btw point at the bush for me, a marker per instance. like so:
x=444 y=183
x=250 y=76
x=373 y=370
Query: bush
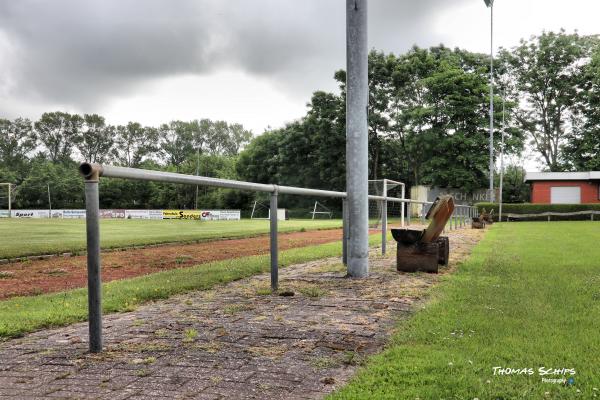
x=528 y=208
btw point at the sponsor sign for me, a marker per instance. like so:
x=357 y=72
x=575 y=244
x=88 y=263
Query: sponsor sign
x=230 y=215
x=182 y=214
x=57 y=214
x=213 y=215
x=73 y=214
x=4 y=214
x=136 y=214
x=112 y=213
x=155 y=214
x=30 y=213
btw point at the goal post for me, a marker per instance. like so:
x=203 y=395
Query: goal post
x=321 y=209
x=382 y=211
x=394 y=211
x=6 y=199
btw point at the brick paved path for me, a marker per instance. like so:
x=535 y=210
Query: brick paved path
x=237 y=341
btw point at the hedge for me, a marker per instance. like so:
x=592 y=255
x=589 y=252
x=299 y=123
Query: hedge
x=528 y=208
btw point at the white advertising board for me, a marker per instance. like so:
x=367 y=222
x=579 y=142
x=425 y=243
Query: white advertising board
x=73 y=214
x=30 y=213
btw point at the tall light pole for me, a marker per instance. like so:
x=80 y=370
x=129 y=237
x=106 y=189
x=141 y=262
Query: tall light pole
x=490 y=4
x=357 y=98
x=501 y=157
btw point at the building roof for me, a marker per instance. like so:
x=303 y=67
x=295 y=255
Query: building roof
x=562 y=176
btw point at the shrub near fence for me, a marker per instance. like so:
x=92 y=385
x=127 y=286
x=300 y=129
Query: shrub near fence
x=543 y=209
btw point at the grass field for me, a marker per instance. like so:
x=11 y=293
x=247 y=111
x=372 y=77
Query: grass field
x=42 y=236
x=527 y=298
x=20 y=315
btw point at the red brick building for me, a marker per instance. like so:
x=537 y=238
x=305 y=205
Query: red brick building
x=564 y=187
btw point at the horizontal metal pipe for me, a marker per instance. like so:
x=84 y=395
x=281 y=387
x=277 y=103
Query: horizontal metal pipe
x=89 y=169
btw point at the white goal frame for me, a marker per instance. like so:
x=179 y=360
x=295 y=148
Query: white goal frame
x=9 y=196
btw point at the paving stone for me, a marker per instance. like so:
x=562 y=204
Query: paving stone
x=248 y=345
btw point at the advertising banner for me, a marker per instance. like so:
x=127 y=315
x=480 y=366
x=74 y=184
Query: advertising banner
x=4 y=214
x=58 y=214
x=74 y=214
x=112 y=213
x=181 y=214
x=136 y=214
x=155 y=214
x=230 y=215
x=213 y=215
x=30 y=213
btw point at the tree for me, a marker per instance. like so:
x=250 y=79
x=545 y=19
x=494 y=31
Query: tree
x=95 y=139
x=134 y=143
x=547 y=73
x=17 y=140
x=514 y=188
x=582 y=151
x=176 y=142
x=57 y=132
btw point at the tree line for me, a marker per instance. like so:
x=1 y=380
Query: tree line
x=42 y=156
x=429 y=115
x=428 y=124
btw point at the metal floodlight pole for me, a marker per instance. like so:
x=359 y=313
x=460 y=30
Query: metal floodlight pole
x=357 y=97
x=490 y=4
x=501 y=159
x=92 y=223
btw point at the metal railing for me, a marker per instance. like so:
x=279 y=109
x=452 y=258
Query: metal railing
x=92 y=174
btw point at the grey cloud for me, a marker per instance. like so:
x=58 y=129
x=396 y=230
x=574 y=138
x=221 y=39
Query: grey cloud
x=81 y=53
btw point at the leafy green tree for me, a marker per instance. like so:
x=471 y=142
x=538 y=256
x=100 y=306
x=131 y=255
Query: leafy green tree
x=95 y=139
x=58 y=132
x=17 y=141
x=176 y=142
x=547 y=75
x=66 y=186
x=134 y=144
x=514 y=188
x=582 y=151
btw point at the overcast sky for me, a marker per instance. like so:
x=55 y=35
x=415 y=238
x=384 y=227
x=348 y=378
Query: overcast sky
x=255 y=62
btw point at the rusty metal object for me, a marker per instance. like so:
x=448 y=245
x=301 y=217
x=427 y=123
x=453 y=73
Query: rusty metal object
x=440 y=211
x=481 y=221
x=425 y=250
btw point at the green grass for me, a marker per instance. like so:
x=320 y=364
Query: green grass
x=39 y=236
x=20 y=315
x=528 y=297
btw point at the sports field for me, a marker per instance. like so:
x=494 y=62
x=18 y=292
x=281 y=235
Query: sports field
x=39 y=236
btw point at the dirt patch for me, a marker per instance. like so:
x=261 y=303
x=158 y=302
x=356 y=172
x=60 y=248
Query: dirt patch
x=33 y=277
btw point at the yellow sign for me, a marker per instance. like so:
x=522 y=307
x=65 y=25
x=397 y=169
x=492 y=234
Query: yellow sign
x=181 y=214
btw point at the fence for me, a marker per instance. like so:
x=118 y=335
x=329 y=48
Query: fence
x=93 y=172
x=550 y=214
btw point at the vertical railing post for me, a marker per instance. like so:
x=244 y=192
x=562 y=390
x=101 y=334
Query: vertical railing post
x=384 y=219
x=345 y=230
x=408 y=211
x=92 y=223
x=403 y=193
x=9 y=200
x=274 y=250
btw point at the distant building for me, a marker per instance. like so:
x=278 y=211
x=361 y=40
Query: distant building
x=564 y=187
